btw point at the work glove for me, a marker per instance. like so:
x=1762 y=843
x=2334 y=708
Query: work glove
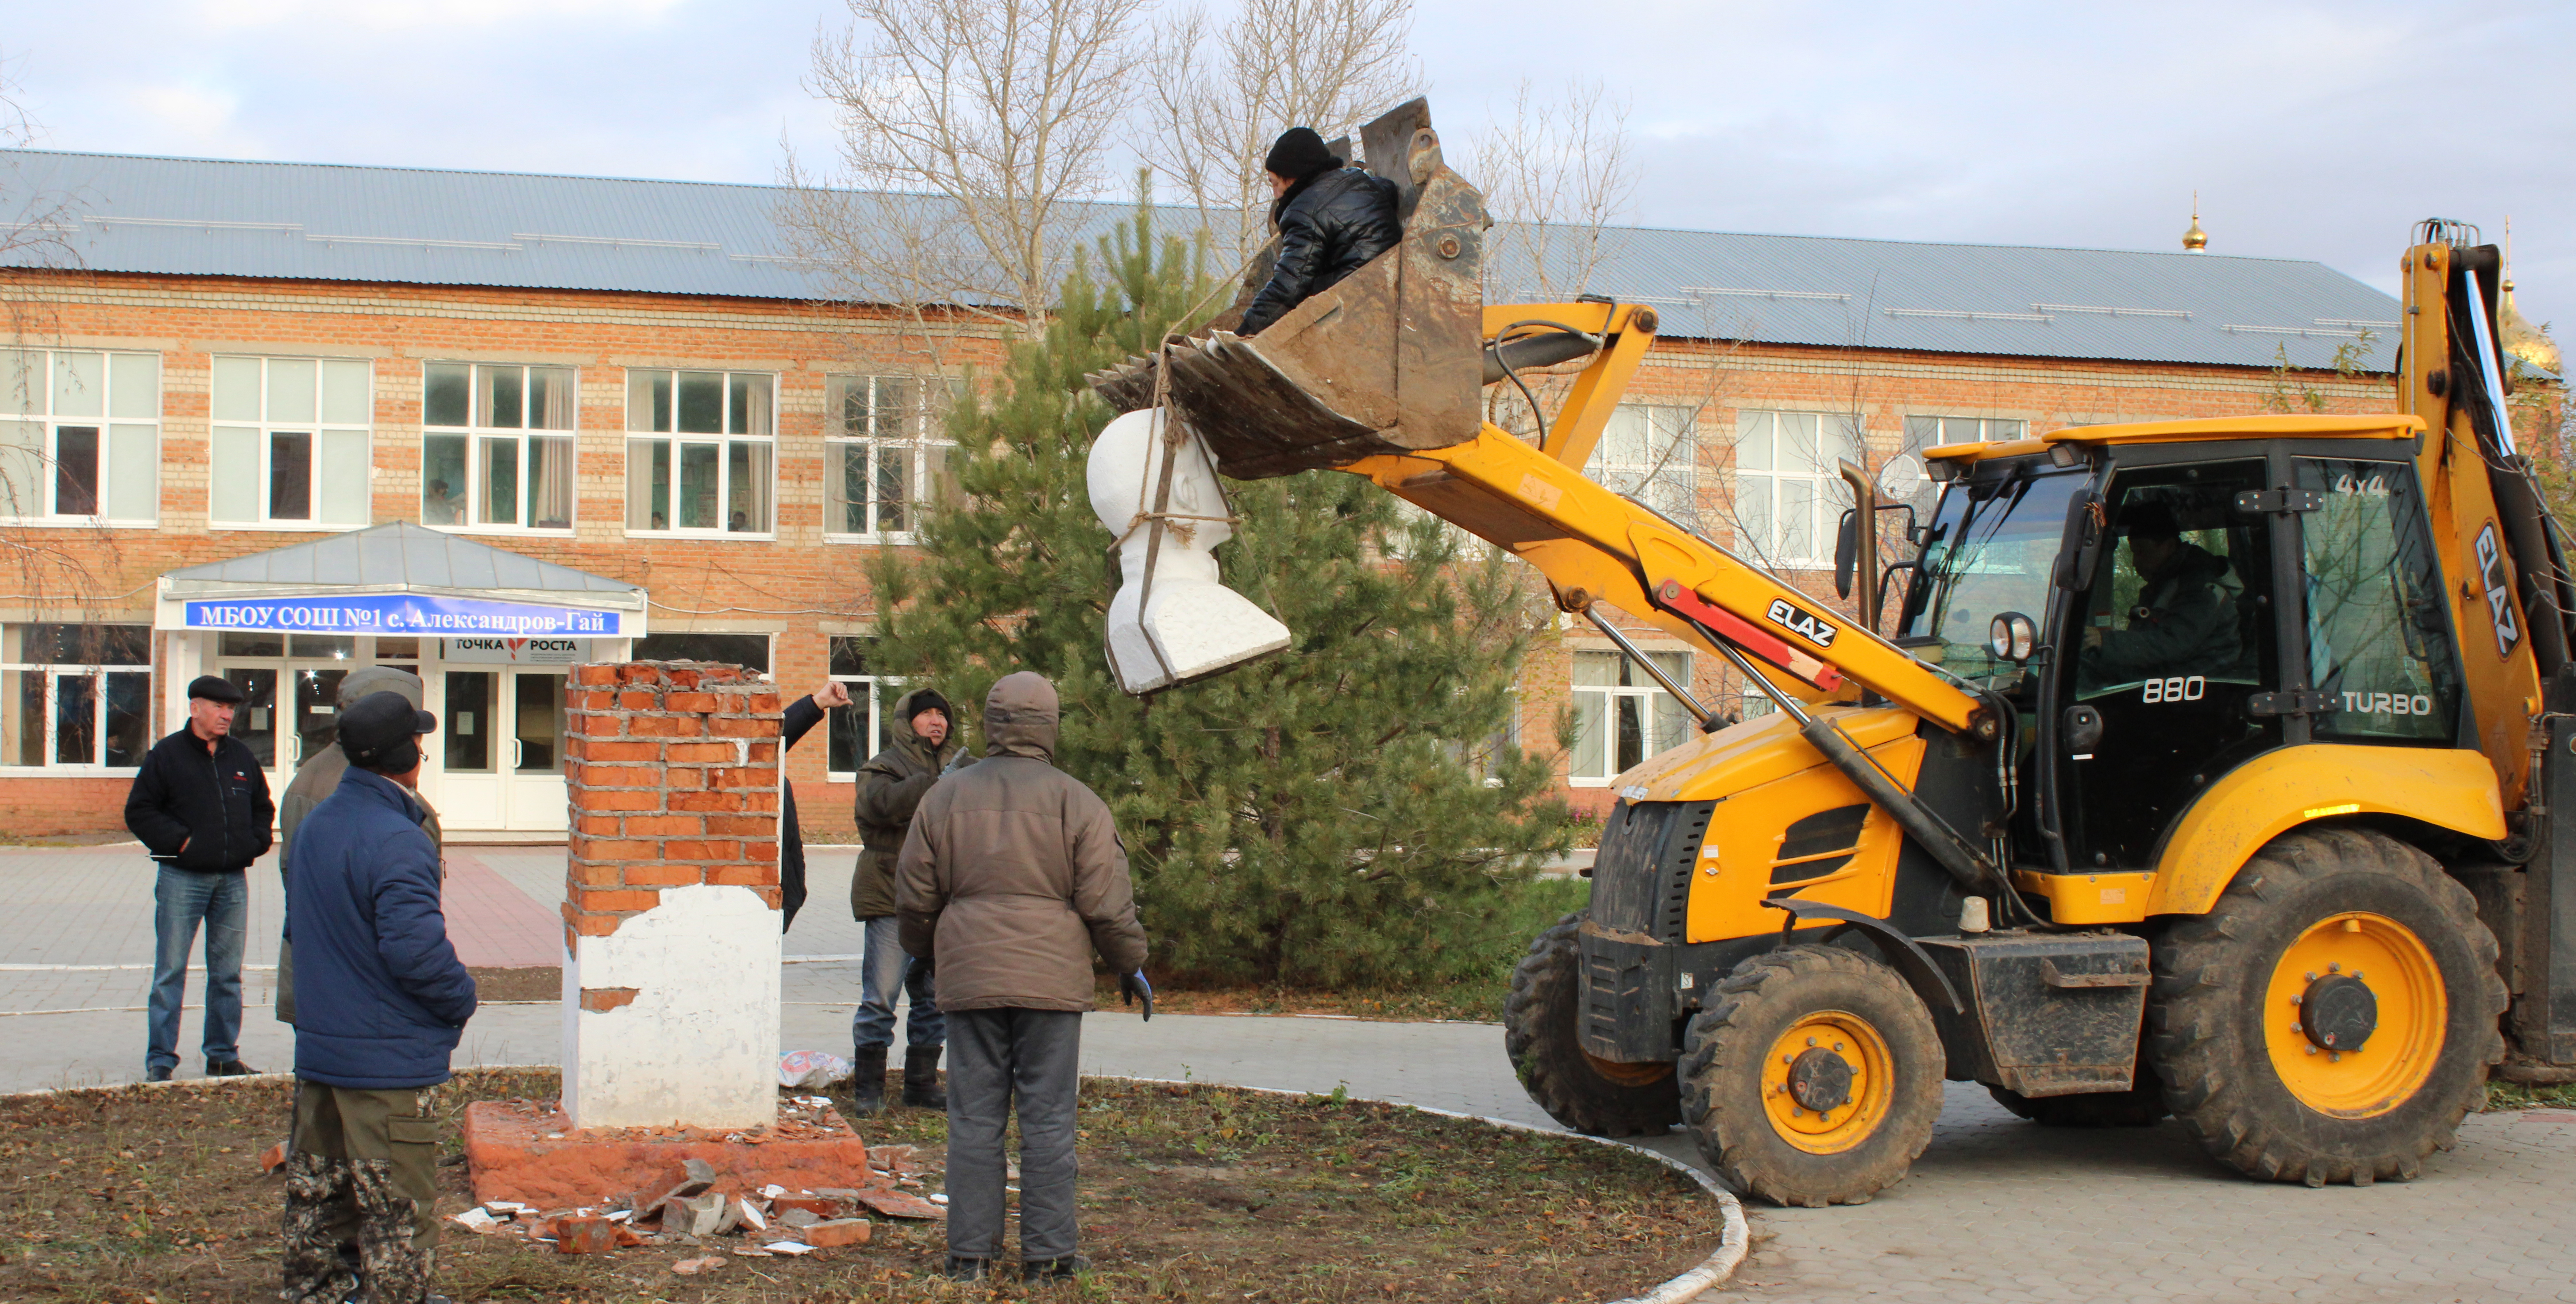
x=1133 y=987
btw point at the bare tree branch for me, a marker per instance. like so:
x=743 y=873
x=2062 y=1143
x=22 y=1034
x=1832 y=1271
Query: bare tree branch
x=1220 y=95
x=971 y=130
x=1560 y=175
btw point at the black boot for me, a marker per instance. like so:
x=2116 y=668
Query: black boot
x=921 y=1078
x=967 y=1267
x=867 y=1080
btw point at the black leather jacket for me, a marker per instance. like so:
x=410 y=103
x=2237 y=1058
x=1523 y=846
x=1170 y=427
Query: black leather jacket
x=1329 y=225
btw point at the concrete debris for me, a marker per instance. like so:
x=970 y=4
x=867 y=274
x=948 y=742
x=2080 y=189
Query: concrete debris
x=692 y=1267
x=788 y=1247
x=478 y=1220
x=800 y=1218
x=818 y=1206
x=748 y=1214
x=710 y=1214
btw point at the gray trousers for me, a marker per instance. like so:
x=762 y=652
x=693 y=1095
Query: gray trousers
x=994 y=1057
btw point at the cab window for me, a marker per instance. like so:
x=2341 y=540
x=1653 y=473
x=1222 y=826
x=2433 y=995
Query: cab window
x=2378 y=642
x=1993 y=549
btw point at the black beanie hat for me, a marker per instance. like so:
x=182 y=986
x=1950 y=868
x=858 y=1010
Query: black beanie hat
x=1298 y=154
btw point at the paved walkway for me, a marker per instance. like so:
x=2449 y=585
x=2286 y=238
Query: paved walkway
x=1997 y=1210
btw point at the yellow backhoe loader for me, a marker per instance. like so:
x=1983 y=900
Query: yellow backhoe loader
x=2204 y=767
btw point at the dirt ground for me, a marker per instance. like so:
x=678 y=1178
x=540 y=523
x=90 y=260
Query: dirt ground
x=154 y=1196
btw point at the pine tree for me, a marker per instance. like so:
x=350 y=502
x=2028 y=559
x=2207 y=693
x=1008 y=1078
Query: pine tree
x=1349 y=812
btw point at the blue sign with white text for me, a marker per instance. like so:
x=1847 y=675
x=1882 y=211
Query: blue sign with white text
x=401 y=613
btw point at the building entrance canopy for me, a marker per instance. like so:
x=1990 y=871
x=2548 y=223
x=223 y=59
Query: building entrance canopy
x=399 y=579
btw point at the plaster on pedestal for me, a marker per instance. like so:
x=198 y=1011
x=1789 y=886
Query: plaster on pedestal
x=698 y=1042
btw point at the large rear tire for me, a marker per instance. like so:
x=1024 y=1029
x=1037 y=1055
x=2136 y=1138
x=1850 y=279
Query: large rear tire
x=1541 y=1020
x=1813 y=1077
x=2332 y=1018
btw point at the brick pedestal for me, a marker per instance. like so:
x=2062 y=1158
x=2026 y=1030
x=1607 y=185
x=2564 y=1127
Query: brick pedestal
x=671 y=924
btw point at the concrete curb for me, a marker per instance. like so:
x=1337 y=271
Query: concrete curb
x=1735 y=1238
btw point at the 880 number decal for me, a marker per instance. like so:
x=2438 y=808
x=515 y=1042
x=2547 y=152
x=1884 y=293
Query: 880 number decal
x=2179 y=688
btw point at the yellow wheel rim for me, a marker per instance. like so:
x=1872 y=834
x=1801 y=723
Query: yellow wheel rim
x=1836 y=1060
x=2353 y=952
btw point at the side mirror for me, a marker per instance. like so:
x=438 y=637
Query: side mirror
x=2012 y=637
x=2087 y=530
x=1846 y=552
x=1903 y=477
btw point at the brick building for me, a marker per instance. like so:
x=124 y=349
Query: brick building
x=285 y=420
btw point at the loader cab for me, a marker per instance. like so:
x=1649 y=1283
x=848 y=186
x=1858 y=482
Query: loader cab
x=2194 y=601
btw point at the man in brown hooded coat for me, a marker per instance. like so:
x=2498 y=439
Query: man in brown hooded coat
x=1012 y=876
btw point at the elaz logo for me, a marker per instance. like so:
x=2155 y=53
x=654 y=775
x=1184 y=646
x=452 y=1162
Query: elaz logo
x=2499 y=591
x=1811 y=628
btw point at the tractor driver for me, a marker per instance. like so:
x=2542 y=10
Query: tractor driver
x=1332 y=220
x=2185 y=620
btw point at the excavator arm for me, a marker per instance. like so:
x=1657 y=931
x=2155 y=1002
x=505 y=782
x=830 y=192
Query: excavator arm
x=1594 y=545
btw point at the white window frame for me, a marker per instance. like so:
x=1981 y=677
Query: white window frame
x=912 y=436
x=1651 y=452
x=1653 y=702
x=1762 y=485
x=55 y=672
x=867 y=691
x=267 y=429
x=31 y=390
x=471 y=507
x=639 y=443
x=1946 y=430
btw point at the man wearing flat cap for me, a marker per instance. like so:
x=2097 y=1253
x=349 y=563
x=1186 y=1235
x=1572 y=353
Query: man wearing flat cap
x=380 y=1001
x=200 y=805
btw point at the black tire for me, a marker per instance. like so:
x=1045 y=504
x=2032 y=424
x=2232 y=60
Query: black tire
x=1540 y=1021
x=1726 y=1055
x=2215 y=975
x=2140 y=1106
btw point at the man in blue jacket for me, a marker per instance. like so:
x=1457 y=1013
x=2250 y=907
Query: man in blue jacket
x=380 y=1000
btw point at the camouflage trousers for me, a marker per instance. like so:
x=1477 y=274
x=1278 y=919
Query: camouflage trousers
x=361 y=1193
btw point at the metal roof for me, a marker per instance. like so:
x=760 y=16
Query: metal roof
x=333 y=222
x=400 y=557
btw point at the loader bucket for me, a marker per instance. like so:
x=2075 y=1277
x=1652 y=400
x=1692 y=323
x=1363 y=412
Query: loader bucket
x=1388 y=359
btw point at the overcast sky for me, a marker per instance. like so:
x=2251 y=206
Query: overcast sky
x=2314 y=131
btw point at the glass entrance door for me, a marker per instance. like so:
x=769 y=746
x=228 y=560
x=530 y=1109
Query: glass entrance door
x=501 y=736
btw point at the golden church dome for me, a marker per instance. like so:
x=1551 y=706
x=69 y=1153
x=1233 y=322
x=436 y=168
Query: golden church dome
x=2195 y=239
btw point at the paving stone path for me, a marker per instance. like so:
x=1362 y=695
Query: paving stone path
x=1997 y=1210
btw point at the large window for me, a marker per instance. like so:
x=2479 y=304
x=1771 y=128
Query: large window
x=75 y=695
x=489 y=454
x=1787 y=492
x=858 y=730
x=80 y=436
x=2376 y=642
x=1647 y=452
x=290 y=441
x=698 y=452
x=1621 y=717
x=881 y=460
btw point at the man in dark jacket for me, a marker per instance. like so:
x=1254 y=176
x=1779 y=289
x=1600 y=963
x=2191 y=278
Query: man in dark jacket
x=200 y=805
x=380 y=999
x=891 y=785
x=1331 y=220
x=313 y=784
x=1012 y=876
x=2185 y=622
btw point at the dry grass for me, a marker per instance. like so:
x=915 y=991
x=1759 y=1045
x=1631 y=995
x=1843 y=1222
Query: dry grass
x=1189 y=1193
